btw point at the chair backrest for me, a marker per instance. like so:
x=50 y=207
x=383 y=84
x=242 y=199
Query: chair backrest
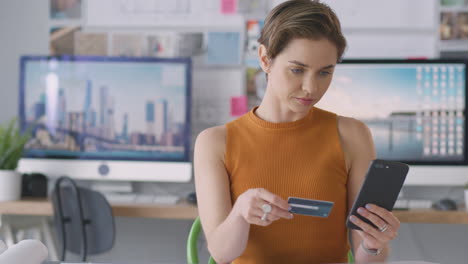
x=192 y=242
x=350 y=257
x=83 y=220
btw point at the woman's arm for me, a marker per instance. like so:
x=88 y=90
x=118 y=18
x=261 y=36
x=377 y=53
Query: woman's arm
x=359 y=151
x=225 y=231
x=227 y=227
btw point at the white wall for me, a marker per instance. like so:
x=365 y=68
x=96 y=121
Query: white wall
x=389 y=29
x=23 y=30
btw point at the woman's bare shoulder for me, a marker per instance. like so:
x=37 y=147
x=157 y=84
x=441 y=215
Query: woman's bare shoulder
x=213 y=134
x=213 y=139
x=351 y=126
x=355 y=137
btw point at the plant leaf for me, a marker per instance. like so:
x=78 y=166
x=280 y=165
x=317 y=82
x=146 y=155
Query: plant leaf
x=12 y=143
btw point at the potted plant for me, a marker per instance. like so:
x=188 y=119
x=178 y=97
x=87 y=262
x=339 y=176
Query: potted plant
x=12 y=143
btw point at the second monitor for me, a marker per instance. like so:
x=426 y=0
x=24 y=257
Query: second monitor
x=415 y=110
x=107 y=117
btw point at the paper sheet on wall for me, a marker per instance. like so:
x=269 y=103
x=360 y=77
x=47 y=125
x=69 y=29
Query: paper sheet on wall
x=162 y=44
x=253 y=7
x=126 y=44
x=224 y=48
x=128 y=12
x=253 y=29
x=91 y=44
x=416 y=14
x=387 y=45
x=161 y=13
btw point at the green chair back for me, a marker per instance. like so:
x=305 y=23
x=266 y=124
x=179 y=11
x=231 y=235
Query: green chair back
x=192 y=241
x=192 y=250
x=350 y=257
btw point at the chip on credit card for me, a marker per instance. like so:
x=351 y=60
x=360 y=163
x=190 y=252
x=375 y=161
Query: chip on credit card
x=310 y=207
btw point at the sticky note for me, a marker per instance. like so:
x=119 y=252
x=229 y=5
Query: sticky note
x=228 y=6
x=238 y=105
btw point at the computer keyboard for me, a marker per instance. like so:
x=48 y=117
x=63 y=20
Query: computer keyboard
x=144 y=198
x=114 y=198
x=134 y=198
x=166 y=199
x=404 y=204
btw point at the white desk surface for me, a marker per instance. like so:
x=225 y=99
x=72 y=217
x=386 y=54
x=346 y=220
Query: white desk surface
x=393 y=262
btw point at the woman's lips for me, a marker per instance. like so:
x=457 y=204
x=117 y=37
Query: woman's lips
x=305 y=101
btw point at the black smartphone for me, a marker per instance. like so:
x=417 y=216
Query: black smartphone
x=383 y=183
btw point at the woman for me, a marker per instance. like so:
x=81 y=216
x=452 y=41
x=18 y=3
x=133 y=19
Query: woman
x=287 y=147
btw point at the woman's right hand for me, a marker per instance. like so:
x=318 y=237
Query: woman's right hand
x=249 y=207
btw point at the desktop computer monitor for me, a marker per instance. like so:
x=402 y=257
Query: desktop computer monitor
x=108 y=118
x=415 y=109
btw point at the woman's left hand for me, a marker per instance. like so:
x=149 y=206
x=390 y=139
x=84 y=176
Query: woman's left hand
x=388 y=226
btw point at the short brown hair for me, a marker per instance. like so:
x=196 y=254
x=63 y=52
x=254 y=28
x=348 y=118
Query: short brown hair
x=300 y=19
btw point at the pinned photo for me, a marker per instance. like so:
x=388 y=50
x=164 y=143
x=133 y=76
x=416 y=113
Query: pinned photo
x=65 y=9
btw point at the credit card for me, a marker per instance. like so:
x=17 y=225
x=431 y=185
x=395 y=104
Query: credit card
x=310 y=207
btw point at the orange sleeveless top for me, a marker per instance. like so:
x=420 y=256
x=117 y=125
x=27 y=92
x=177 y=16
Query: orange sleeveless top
x=304 y=159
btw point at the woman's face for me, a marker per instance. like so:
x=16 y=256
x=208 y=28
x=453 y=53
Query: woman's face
x=300 y=75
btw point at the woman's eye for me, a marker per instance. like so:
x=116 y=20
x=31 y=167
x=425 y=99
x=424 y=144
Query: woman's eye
x=325 y=73
x=297 y=70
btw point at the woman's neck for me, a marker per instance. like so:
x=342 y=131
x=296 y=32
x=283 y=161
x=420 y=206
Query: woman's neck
x=272 y=110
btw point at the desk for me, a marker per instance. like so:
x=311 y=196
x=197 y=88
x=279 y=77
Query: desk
x=42 y=207
x=183 y=210
x=428 y=216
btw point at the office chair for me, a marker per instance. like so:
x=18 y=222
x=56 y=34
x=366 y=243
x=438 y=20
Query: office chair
x=192 y=251
x=83 y=219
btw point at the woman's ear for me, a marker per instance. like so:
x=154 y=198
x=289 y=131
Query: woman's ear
x=265 y=62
